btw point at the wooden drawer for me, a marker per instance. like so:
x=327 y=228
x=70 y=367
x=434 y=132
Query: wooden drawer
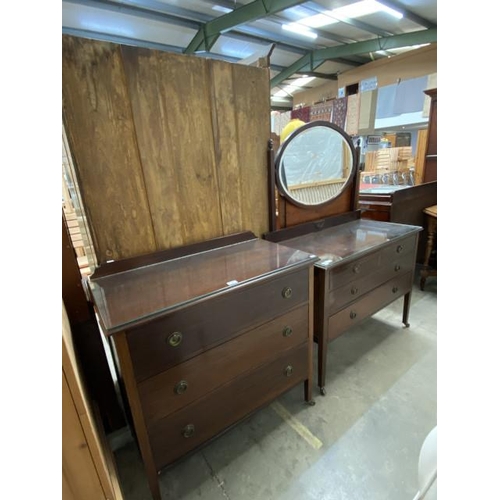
x=350 y=292
x=179 y=386
x=360 y=268
x=227 y=405
x=212 y=321
x=369 y=304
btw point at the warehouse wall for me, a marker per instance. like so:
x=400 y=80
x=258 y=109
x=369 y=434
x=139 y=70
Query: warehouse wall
x=412 y=64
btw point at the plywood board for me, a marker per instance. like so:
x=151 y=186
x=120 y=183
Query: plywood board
x=101 y=134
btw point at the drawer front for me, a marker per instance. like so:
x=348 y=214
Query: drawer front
x=179 y=386
x=369 y=304
x=404 y=248
x=192 y=426
x=181 y=335
x=389 y=268
x=364 y=266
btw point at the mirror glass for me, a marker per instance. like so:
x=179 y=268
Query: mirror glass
x=315 y=164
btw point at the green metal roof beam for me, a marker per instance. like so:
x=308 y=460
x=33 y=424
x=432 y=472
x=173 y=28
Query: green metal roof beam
x=316 y=57
x=210 y=32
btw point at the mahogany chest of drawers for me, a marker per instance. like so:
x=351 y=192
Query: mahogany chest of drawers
x=364 y=266
x=204 y=339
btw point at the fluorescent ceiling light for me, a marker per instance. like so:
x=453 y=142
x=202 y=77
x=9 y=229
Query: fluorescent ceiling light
x=219 y=8
x=358 y=9
x=364 y=8
x=299 y=29
x=294 y=87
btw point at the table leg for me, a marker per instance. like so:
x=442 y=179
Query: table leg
x=424 y=273
x=406 y=309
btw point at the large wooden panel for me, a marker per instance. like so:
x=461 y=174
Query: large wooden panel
x=226 y=147
x=169 y=149
x=101 y=135
x=170 y=99
x=253 y=122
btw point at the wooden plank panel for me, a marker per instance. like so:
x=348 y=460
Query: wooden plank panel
x=226 y=147
x=170 y=98
x=420 y=156
x=101 y=135
x=253 y=122
x=79 y=476
x=86 y=430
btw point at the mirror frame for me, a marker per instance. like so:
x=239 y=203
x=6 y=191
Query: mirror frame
x=283 y=148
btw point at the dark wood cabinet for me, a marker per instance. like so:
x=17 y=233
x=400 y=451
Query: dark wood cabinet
x=401 y=204
x=430 y=164
x=218 y=332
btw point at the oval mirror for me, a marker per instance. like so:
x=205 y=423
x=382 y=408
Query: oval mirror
x=315 y=164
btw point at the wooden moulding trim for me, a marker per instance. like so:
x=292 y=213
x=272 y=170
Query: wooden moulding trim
x=171 y=253
x=311 y=227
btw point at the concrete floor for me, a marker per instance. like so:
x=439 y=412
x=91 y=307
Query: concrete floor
x=359 y=442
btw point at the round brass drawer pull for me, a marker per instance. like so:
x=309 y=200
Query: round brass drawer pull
x=286 y=292
x=356 y=269
x=354 y=290
x=288 y=370
x=287 y=331
x=181 y=387
x=397 y=267
x=188 y=431
x=352 y=315
x=399 y=249
x=175 y=339
x=395 y=289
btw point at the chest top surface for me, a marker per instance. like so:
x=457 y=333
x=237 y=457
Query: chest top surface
x=349 y=241
x=127 y=298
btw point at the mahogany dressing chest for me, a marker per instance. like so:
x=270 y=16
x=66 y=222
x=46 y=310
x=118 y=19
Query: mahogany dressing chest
x=205 y=335
x=363 y=265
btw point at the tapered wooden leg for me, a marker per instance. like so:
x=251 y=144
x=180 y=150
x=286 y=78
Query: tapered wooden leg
x=308 y=392
x=322 y=350
x=406 y=309
x=309 y=381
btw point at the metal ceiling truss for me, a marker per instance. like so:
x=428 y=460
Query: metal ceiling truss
x=279 y=19
x=316 y=57
x=209 y=28
x=158 y=11
x=151 y=9
x=210 y=32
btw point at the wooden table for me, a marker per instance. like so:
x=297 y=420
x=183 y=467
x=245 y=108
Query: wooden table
x=431 y=222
